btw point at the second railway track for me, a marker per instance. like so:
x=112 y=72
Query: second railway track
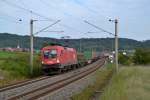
x=22 y=83
x=40 y=88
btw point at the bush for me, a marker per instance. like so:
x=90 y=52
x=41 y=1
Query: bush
x=18 y=65
x=124 y=59
x=142 y=56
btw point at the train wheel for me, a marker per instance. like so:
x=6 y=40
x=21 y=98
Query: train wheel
x=74 y=66
x=59 y=71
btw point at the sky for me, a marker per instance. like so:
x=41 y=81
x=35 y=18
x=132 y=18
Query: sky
x=133 y=17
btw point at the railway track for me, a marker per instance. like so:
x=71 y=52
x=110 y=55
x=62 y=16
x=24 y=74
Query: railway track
x=22 y=83
x=39 y=87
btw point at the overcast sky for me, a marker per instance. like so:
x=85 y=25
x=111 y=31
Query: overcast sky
x=133 y=15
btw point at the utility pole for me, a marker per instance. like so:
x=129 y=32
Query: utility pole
x=31 y=46
x=116 y=44
x=31 y=39
x=116 y=38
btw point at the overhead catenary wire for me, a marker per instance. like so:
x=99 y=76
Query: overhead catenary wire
x=31 y=11
x=53 y=31
x=19 y=21
x=27 y=10
x=77 y=18
x=103 y=30
x=12 y=19
x=35 y=13
x=47 y=27
x=58 y=9
x=9 y=20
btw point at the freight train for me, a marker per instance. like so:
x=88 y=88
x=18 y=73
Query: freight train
x=57 y=58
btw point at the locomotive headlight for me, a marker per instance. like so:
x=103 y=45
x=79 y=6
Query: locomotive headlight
x=57 y=61
x=42 y=62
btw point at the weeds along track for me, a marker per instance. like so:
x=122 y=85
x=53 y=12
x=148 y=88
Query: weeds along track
x=36 y=89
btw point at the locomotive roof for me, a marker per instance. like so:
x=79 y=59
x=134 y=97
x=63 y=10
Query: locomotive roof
x=57 y=46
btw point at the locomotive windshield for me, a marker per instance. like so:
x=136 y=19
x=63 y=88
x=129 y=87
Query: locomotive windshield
x=50 y=53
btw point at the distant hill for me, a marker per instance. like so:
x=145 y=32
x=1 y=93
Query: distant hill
x=12 y=40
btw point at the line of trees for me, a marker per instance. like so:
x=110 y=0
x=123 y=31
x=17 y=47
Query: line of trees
x=140 y=57
x=12 y=40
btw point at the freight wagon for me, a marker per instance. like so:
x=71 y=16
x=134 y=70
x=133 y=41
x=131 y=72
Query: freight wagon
x=91 y=56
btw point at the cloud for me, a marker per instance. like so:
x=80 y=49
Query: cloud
x=133 y=16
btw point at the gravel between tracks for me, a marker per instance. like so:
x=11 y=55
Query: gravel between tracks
x=68 y=91
x=23 y=89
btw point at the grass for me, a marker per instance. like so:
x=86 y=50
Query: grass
x=14 y=66
x=6 y=77
x=101 y=78
x=7 y=54
x=131 y=83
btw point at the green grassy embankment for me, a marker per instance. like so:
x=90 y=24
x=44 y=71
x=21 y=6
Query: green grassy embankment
x=4 y=55
x=101 y=79
x=14 y=66
x=131 y=83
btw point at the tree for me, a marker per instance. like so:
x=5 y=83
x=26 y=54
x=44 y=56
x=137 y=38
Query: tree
x=124 y=59
x=142 y=56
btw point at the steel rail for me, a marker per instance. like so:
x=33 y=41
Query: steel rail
x=64 y=83
x=22 y=83
x=34 y=94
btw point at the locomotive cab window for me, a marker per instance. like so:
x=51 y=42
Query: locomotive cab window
x=50 y=53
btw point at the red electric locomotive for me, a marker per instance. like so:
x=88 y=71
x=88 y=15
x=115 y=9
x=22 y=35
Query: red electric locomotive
x=57 y=58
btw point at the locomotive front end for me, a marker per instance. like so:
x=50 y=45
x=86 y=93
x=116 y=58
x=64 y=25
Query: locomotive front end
x=49 y=59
